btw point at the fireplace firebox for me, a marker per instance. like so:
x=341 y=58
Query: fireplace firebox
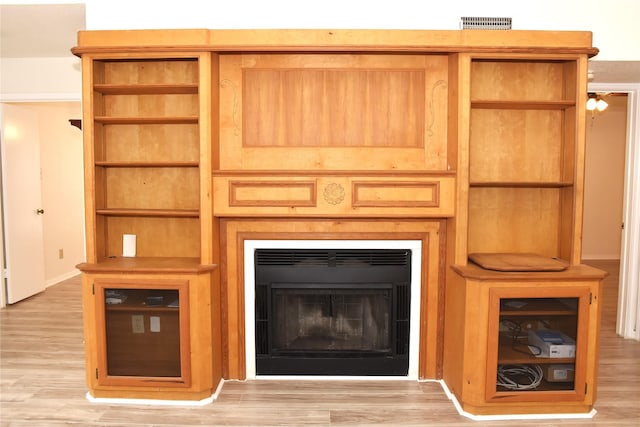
x=332 y=312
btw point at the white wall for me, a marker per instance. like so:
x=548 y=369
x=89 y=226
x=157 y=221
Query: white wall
x=604 y=181
x=614 y=22
x=62 y=188
x=3 y=296
x=40 y=79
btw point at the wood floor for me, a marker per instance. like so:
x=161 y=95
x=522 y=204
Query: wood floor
x=42 y=383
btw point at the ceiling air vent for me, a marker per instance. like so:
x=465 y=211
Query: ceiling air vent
x=482 y=23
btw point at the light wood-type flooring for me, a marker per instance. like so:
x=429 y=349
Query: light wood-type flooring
x=42 y=383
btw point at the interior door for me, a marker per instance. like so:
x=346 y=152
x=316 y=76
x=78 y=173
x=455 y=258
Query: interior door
x=21 y=201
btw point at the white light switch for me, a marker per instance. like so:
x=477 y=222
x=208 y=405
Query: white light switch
x=154 y=323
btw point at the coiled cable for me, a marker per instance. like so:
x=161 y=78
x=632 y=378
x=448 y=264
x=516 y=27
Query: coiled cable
x=519 y=377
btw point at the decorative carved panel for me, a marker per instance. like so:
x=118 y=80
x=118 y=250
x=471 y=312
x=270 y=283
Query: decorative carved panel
x=333 y=195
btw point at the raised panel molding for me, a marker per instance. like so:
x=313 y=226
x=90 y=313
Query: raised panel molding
x=335 y=107
x=272 y=193
x=277 y=195
x=398 y=194
x=333 y=111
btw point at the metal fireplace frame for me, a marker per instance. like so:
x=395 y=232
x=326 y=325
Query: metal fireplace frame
x=297 y=286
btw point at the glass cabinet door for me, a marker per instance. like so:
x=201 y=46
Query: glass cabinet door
x=145 y=335
x=537 y=344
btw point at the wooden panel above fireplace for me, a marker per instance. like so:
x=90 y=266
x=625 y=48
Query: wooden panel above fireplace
x=338 y=111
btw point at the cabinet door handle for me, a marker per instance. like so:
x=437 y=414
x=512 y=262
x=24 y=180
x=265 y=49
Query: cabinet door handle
x=39 y=211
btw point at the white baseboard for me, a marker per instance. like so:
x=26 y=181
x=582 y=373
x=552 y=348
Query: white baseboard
x=156 y=402
x=60 y=278
x=505 y=417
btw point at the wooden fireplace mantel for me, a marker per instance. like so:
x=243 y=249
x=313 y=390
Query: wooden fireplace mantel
x=335 y=40
x=469 y=141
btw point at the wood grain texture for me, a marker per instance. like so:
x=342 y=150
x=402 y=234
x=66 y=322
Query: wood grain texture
x=517 y=262
x=161 y=237
x=151 y=143
x=320 y=111
x=42 y=383
x=335 y=107
x=508 y=80
x=501 y=139
x=515 y=220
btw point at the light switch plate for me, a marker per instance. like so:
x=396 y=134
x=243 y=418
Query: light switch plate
x=154 y=323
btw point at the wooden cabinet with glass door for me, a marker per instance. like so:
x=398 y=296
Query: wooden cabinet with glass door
x=526 y=342
x=518 y=271
x=538 y=344
x=148 y=317
x=149 y=335
x=146 y=331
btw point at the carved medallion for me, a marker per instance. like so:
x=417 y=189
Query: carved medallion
x=334 y=193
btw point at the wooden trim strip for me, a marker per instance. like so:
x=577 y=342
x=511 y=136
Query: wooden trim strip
x=326 y=172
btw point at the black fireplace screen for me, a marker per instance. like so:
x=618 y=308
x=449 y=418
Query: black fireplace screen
x=332 y=320
x=332 y=312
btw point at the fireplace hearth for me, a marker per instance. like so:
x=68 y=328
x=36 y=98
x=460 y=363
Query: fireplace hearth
x=332 y=311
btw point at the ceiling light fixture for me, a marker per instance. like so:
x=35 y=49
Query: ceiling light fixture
x=595 y=102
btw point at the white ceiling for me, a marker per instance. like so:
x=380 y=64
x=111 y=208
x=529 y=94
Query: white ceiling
x=50 y=30
x=614 y=71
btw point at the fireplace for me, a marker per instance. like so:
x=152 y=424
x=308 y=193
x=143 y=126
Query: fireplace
x=332 y=311
x=245 y=237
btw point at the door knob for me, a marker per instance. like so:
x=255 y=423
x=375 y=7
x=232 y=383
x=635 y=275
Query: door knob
x=39 y=211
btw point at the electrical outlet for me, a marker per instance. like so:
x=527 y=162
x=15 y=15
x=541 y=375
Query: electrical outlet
x=60 y=253
x=137 y=323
